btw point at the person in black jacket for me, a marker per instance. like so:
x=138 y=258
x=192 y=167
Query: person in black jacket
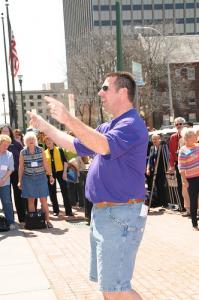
x=58 y=165
x=156 y=170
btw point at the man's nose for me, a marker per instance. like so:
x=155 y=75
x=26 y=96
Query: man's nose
x=100 y=93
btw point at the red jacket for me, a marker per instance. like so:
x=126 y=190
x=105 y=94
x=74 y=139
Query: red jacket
x=173 y=148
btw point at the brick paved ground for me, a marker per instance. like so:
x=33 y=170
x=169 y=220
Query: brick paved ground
x=167 y=265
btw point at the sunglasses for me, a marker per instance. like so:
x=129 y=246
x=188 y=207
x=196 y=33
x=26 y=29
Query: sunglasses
x=105 y=88
x=179 y=124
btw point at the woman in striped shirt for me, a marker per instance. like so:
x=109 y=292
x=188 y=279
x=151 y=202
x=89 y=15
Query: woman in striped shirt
x=188 y=164
x=33 y=168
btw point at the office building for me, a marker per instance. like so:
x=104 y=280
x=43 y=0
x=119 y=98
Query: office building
x=33 y=100
x=171 y=18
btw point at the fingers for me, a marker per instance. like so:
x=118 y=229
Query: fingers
x=36 y=121
x=52 y=104
x=51 y=100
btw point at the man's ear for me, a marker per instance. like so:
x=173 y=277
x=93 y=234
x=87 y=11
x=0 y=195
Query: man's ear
x=123 y=91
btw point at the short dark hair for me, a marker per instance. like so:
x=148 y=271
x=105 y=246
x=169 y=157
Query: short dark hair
x=190 y=124
x=124 y=80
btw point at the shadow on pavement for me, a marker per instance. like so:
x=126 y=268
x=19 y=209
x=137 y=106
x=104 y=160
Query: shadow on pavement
x=156 y=212
x=54 y=231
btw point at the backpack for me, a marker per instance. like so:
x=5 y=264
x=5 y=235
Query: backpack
x=4 y=225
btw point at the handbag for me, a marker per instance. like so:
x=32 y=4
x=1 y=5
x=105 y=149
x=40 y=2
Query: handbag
x=35 y=220
x=4 y=225
x=72 y=174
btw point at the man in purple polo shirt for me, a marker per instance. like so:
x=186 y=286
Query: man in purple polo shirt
x=115 y=181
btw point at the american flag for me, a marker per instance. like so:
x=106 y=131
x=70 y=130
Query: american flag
x=13 y=54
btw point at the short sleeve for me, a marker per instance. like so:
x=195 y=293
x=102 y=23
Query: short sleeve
x=121 y=138
x=81 y=149
x=11 y=162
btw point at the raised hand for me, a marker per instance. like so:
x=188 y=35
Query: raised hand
x=57 y=110
x=37 y=121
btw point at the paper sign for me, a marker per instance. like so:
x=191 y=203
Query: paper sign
x=4 y=167
x=144 y=210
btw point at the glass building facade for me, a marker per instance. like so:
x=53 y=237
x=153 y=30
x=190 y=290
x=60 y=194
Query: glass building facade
x=175 y=17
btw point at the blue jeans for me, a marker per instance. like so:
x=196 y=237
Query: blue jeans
x=6 y=201
x=115 y=236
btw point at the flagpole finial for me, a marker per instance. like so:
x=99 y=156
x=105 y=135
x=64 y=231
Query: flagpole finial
x=6 y=1
x=2 y=15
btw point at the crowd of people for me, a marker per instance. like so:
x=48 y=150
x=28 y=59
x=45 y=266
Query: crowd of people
x=32 y=165
x=179 y=156
x=39 y=164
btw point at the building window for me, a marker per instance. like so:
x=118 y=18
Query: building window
x=137 y=7
x=40 y=111
x=147 y=7
x=105 y=23
x=179 y=5
x=180 y=21
x=31 y=97
x=178 y=96
x=178 y=72
x=104 y=7
x=39 y=104
x=96 y=7
x=166 y=119
x=31 y=103
x=192 y=97
x=126 y=22
x=168 y=6
x=192 y=102
x=158 y=6
x=189 y=5
x=191 y=74
x=38 y=96
x=126 y=7
x=192 y=117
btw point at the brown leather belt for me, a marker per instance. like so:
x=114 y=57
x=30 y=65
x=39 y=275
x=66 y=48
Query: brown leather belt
x=105 y=204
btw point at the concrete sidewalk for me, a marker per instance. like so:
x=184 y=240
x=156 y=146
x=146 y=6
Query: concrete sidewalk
x=53 y=264
x=21 y=275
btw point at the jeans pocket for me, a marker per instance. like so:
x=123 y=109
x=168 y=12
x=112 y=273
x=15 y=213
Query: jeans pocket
x=128 y=219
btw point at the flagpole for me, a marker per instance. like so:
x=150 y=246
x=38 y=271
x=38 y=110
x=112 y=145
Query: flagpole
x=12 y=70
x=7 y=76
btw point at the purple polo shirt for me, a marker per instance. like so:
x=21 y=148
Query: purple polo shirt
x=120 y=175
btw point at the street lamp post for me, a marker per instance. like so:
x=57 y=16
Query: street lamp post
x=168 y=68
x=22 y=103
x=119 y=36
x=4 y=107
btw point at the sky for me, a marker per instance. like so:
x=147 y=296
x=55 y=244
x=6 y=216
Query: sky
x=38 y=28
